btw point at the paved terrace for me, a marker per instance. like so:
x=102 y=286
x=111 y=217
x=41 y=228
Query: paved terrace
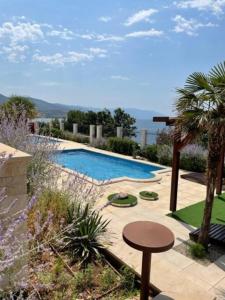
x=176 y=275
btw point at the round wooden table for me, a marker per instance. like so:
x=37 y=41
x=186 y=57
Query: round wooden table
x=148 y=237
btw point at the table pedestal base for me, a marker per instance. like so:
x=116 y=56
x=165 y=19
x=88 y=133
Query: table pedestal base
x=145 y=275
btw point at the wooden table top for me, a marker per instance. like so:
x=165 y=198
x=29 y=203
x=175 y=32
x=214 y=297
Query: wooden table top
x=148 y=236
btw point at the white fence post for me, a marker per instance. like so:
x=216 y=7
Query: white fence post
x=119 y=132
x=92 y=133
x=61 y=125
x=99 y=132
x=144 y=133
x=75 y=128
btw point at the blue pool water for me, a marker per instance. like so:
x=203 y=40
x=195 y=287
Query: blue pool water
x=103 y=167
x=35 y=139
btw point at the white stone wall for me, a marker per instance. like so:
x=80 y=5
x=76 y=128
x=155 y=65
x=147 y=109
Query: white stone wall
x=13 y=177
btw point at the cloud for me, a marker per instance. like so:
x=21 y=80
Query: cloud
x=64 y=34
x=148 y=33
x=101 y=37
x=15 y=52
x=119 y=77
x=99 y=52
x=215 y=6
x=116 y=38
x=142 y=15
x=17 y=35
x=105 y=19
x=70 y=57
x=21 y=31
x=62 y=59
x=190 y=27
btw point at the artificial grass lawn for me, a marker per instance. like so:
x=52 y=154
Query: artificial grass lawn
x=193 y=214
x=130 y=200
x=148 y=195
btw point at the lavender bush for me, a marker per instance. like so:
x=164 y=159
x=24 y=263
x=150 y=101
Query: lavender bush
x=165 y=154
x=14 y=132
x=193 y=158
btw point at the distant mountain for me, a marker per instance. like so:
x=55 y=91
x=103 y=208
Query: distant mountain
x=2 y=98
x=56 y=110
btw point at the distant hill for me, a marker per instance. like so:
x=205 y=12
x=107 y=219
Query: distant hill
x=56 y=110
x=2 y=98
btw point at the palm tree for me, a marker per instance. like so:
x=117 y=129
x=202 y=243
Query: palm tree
x=21 y=104
x=201 y=108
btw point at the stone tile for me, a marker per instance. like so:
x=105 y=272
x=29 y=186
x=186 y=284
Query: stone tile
x=210 y=274
x=219 y=289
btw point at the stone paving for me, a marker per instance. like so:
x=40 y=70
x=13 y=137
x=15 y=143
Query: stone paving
x=177 y=276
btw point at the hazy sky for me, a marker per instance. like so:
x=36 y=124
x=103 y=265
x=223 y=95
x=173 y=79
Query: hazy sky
x=107 y=53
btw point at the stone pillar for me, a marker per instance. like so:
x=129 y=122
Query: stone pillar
x=61 y=125
x=144 y=137
x=119 y=132
x=99 y=132
x=36 y=127
x=92 y=133
x=75 y=128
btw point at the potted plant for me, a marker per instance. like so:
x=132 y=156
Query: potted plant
x=151 y=196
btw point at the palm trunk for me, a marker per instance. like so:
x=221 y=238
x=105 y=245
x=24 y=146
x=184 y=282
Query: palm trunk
x=212 y=164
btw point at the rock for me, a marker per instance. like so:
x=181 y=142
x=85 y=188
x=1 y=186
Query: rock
x=121 y=196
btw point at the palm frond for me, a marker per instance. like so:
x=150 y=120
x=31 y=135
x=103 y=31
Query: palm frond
x=218 y=71
x=197 y=82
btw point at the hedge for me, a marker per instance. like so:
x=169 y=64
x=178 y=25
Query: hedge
x=121 y=145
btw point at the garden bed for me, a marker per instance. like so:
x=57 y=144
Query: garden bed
x=127 y=200
x=57 y=278
x=150 y=196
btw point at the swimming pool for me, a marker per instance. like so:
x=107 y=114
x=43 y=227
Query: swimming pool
x=104 y=167
x=37 y=139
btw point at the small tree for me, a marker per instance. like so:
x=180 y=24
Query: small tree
x=121 y=118
x=201 y=107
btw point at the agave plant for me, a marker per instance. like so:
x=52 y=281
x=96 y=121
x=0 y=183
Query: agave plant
x=85 y=233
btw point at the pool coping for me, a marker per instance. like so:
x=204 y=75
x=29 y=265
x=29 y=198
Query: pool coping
x=156 y=178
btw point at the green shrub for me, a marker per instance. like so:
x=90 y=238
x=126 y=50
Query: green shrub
x=54 y=201
x=45 y=277
x=82 y=238
x=58 y=267
x=193 y=158
x=122 y=145
x=57 y=133
x=165 y=155
x=84 y=279
x=151 y=153
x=128 y=279
x=193 y=163
x=79 y=138
x=197 y=250
x=108 y=279
x=43 y=129
x=150 y=195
